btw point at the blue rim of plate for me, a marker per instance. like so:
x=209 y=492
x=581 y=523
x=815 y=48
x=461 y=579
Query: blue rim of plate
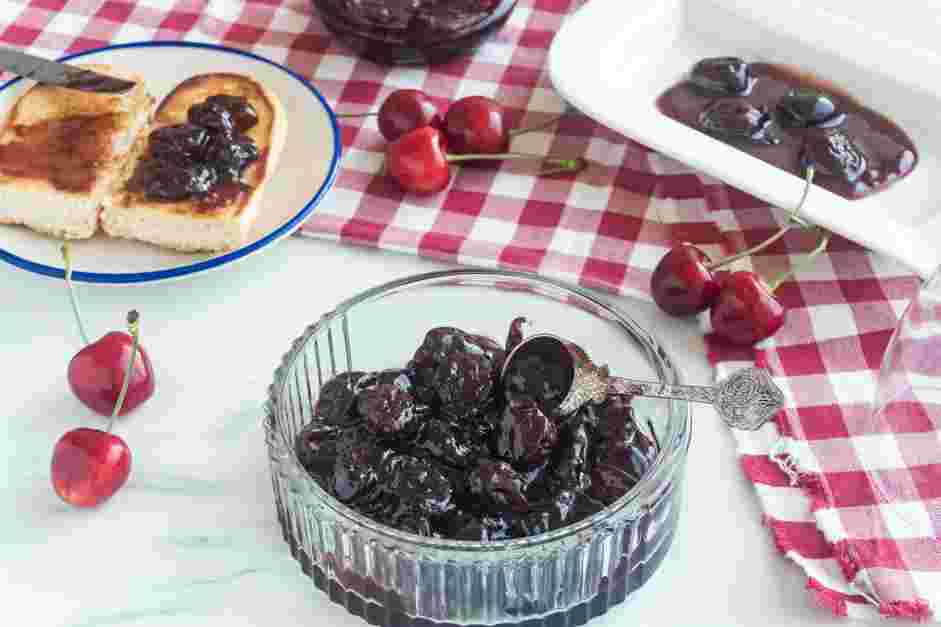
x=158 y=275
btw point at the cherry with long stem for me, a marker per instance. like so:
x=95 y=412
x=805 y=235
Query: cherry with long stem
x=89 y=465
x=133 y=327
x=93 y=372
x=746 y=310
x=73 y=299
x=562 y=165
x=822 y=244
x=513 y=132
x=793 y=220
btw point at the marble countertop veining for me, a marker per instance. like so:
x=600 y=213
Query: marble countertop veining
x=192 y=539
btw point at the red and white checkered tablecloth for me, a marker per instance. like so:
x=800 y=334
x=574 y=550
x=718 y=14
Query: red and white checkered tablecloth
x=856 y=502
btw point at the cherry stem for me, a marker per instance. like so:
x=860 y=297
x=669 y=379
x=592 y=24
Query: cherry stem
x=76 y=311
x=563 y=165
x=793 y=220
x=784 y=276
x=513 y=132
x=356 y=115
x=133 y=326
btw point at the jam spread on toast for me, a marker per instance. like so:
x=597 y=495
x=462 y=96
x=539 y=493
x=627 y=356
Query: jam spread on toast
x=202 y=159
x=67 y=152
x=791 y=120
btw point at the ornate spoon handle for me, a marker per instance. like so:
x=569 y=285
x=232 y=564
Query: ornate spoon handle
x=659 y=389
x=745 y=400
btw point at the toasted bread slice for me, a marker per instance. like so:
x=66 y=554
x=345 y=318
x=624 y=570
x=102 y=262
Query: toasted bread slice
x=62 y=150
x=191 y=225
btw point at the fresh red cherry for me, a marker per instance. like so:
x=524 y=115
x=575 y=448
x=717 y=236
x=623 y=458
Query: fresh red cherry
x=746 y=310
x=405 y=110
x=417 y=161
x=476 y=125
x=96 y=374
x=89 y=466
x=682 y=283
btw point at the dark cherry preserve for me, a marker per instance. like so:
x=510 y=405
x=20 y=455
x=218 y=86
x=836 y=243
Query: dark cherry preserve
x=442 y=448
x=202 y=159
x=413 y=32
x=790 y=120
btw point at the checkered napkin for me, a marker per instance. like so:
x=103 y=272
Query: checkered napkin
x=855 y=501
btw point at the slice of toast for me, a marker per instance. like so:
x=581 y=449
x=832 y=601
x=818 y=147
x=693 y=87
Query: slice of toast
x=62 y=150
x=192 y=225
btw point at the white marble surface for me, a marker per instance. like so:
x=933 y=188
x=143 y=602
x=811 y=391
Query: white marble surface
x=192 y=539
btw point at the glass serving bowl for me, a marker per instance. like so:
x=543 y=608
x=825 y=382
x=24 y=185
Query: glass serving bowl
x=389 y=577
x=372 y=30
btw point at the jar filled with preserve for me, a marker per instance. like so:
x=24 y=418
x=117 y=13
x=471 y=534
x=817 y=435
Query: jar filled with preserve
x=413 y=32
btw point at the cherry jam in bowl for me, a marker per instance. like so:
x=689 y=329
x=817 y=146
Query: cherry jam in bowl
x=413 y=32
x=394 y=546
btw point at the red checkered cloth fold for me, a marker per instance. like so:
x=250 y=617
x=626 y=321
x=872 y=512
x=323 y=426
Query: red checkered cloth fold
x=856 y=502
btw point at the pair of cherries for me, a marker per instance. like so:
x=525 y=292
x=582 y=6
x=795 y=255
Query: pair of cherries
x=423 y=143
x=111 y=376
x=742 y=306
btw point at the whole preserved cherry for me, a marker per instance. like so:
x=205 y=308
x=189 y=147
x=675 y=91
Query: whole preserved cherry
x=497 y=483
x=571 y=457
x=738 y=119
x=527 y=436
x=722 y=75
x=240 y=110
x=211 y=115
x=615 y=419
x=336 y=400
x=463 y=383
x=173 y=183
x=178 y=143
x=359 y=458
x=316 y=447
x=444 y=442
x=417 y=482
x=808 y=107
x=388 y=409
x=834 y=153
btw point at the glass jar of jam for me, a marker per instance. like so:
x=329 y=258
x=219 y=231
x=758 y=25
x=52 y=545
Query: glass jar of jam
x=413 y=32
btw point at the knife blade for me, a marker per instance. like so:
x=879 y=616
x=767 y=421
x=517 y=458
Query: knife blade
x=59 y=74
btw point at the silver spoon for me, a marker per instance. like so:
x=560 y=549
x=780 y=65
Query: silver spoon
x=745 y=400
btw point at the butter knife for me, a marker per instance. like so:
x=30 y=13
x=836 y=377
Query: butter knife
x=59 y=74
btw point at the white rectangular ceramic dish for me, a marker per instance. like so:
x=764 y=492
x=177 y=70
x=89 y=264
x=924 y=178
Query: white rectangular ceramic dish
x=636 y=50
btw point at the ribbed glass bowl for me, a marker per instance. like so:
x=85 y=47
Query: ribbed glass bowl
x=388 y=577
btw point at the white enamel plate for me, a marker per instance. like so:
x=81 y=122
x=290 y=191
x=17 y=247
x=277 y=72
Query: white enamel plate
x=305 y=172
x=889 y=60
